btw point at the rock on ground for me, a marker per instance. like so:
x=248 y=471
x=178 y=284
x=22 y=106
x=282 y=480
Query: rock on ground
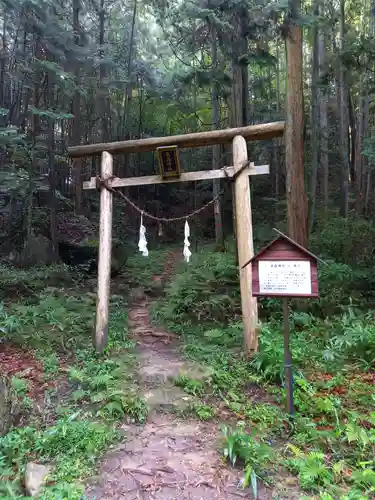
x=35 y=476
x=38 y=252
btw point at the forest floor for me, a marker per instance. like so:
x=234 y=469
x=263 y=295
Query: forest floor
x=174 y=409
x=173 y=455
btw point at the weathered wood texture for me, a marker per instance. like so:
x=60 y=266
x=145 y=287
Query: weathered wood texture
x=104 y=264
x=294 y=141
x=185 y=177
x=245 y=246
x=198 y=139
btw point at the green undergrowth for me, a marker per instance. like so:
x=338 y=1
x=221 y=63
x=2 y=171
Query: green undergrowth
x=86 y=396
x=207 y=290
x=72 y=444
x=17 y=283
x=329 y=445
x=140 y=270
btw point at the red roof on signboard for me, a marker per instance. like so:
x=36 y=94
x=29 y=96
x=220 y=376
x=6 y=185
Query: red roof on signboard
x=282 y=236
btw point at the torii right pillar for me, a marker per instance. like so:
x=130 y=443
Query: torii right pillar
x=245 y=245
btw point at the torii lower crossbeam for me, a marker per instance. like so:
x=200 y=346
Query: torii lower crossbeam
x=203 y=175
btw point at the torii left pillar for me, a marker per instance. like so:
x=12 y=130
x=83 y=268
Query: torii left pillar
x=104 y=262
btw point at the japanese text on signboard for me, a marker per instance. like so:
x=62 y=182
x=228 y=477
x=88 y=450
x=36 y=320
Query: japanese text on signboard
x=286 y=277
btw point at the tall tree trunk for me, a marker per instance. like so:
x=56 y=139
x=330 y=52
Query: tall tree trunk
x=244 y=67
x=323 y=110
x=294 y=140
x=124 y=128
x=315 y=123
x=278 y=142
x=102 y=74
x=344 y=125
x=34 y=168
x=366 y=166
x=76 y=128
x=52 y=188
x=361 y=128
x=193 y=152
x=3 y=59
x=237 y=112
x=323 y=113
x=359 y=159
x=219 y=235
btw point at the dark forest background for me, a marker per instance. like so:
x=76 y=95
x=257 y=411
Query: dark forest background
x=77 y=71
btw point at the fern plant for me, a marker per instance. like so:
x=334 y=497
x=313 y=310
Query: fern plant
x=117 y=405
x=242 y=447
x=311 y=467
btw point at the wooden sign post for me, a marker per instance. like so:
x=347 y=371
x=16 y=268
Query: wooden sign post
x=285 y=269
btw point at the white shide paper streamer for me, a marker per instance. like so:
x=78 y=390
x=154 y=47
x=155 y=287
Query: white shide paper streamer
x=142 y=244
x=186 y=252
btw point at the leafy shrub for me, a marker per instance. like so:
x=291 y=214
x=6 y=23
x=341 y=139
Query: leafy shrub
x=140 y=270
x=73 y=444
x=204 y=412
x=205 y=290
x=336 y=284
x=71 y=437
x=101 y=385
x=242 y=447
x=189 y=385
x=19 y=282
x=55 y=320
x=266 y=417
x=352 y=338
x=349 y=241
x=269 y=360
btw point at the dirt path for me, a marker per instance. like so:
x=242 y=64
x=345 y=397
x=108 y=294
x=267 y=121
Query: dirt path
x=168 y=458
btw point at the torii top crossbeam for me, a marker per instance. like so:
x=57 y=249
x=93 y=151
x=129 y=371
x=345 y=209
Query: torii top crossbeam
x=197 y=139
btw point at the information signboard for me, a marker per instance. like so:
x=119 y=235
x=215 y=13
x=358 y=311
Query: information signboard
x=287 y=270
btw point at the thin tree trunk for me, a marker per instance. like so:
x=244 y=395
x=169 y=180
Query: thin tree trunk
x=344 y=127
x=219 y=236
x=52 y=190
x=353 y=138
x=359 y=163
x=359 y=143
x=76 y=128
x=52 y=172
x=294 y=134
x=323 y=115
x=35 y=130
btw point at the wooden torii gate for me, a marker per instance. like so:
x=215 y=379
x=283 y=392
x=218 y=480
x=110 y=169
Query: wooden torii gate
x=239 y=172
